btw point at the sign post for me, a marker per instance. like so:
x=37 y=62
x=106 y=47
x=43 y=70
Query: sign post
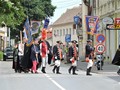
x=100 y=48
x=68 y=38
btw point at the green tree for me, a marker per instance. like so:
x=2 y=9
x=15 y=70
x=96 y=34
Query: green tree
x=14 y=12
x=11 y=13
x=38 y=9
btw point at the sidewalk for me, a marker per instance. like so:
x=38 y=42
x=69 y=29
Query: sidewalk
x=108 y=68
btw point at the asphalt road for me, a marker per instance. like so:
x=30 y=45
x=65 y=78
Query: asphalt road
x=50 y=81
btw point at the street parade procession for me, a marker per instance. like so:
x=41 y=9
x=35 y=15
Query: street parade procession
x=32 y=53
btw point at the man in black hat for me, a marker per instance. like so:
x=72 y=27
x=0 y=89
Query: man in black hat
x=57 y=53
x=73 y=54
x=89 y=54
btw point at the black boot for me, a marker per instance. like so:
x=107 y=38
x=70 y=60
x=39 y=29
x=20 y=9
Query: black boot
x=58 y=68
x=43 y=70
x=16 y=69
x=69 y=70
x=54 y=69
x=88 y=71
x=74 y=68
x=118 y=72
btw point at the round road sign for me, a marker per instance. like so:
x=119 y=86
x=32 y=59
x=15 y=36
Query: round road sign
x=100 y=38
x=100 y=48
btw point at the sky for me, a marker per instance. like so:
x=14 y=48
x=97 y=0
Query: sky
x=62 y=6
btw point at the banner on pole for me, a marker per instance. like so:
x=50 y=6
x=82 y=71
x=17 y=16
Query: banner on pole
x=35 y=27
x=27 y=32
x=91 y=24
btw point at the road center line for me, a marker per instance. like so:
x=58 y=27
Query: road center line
x=58 y=85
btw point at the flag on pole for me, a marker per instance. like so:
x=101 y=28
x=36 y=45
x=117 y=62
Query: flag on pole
x=46 y=23
x=35 y=27
x=91 y=24
x=27 y=32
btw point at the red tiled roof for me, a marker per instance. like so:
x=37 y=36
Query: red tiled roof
x=67 y=17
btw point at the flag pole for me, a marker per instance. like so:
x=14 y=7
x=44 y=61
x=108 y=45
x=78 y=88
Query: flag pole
x=20 y=36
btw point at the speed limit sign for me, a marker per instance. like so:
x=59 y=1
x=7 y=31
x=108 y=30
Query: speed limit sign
x=100 y=48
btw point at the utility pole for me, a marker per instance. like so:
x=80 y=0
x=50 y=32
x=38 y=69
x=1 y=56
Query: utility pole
x=78 y=23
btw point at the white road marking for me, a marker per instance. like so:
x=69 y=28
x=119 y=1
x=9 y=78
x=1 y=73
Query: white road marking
x=58 y=85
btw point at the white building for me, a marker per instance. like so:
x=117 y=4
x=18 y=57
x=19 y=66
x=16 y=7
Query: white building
x=64 y=26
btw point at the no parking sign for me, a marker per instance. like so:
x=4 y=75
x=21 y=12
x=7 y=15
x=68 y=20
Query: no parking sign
x=100 y=48
x=100 y=38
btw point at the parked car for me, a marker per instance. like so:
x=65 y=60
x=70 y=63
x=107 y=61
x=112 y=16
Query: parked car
x=8 y=53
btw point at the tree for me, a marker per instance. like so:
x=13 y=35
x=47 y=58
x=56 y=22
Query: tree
x=38 y=9
x=11 y=13
x=14 y=12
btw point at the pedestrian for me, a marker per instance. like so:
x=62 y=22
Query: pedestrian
x=116 y=59
x=20 y=55
x=57 y=53
x=44 y=54
x=15 y=58
x=34 y=56
x=89 y=56
x=73 y=54
x=26 y=63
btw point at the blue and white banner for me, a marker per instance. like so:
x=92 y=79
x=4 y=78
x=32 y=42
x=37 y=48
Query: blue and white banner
x=27 y=32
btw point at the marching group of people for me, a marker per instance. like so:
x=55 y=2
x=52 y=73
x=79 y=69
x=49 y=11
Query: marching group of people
x=37 y=54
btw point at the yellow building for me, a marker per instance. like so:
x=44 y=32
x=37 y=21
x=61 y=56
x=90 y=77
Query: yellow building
x=3 y=37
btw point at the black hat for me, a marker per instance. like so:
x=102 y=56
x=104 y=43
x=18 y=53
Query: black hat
x=58 y=42
x=74 y=41
x=89 y=40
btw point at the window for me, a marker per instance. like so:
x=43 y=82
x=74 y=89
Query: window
x=54 y=32
x=69 y=30
x=63 y=31
x=74 y=31
x=60 y=32
x=66 y=31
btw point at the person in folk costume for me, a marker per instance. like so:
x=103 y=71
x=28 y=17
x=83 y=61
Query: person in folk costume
x=57 y=53
x=90 y=55
x=73 y=54
x=20 y=55
x=35 y=56
x=44 y=50
x=15 y=58
x=26 y=63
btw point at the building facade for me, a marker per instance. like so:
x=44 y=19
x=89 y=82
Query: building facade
x=64 y=26
x=108 y=8
x=3 y=37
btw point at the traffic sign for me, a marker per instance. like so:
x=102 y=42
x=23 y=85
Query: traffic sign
x=68 y=37
x=100 y=48
x=100 y=38
x=107 y=20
